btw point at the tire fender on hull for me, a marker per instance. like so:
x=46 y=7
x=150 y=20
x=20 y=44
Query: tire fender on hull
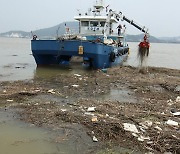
x=112 y=57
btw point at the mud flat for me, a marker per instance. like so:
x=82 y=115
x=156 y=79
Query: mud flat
x=120 y=110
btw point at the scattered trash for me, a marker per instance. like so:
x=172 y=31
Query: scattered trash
x=75 y=85
x=78 y=75
x=89 y=114
x=175 y=137
x=130 y=128
x=107 y=115
x=104 y=70
x=63 y=110
x=37 y=90
x=51 y=91
x=176 y=113
x=178 y=99
x=142 y=128
x=172 y=123
x=150 y=142
x=142 y=138
x=146 y=124
x=94 y=119
x=134 y=134
x=169 y=101
x=158 y=128
x=91 y=109
x=95 y=139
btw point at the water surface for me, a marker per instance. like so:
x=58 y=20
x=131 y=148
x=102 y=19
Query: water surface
x=17 y=62
x=20 y=138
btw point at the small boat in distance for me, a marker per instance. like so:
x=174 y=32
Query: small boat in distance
x=98 y=45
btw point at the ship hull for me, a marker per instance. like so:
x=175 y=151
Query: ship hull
x=95 y=54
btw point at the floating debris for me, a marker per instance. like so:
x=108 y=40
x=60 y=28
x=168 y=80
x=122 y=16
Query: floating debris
x=78 y=75
x=146 y=124
x=95 y=139
x=104 y=70
x=175 y=113
x=94 y=119
x=178 y=99
x=63 y=110
x=158 y=128
x=142 y=138
x=130 y=127
x=172 y=123
x=9 y=100
x=51 y=91
x=89 y=114
x=75 y=86
x=91 y=109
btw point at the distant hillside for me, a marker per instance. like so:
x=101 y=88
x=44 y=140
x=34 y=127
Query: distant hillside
x=16 y=34
x=56 y=30
x=44 y=33
x=171 y=39
x=59 y=29
x=137 y=38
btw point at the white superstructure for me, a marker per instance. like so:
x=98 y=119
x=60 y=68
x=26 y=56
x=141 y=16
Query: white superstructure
x=94 y=21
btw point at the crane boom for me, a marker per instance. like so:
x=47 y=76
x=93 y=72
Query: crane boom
x=120 y=16
x=143 y=29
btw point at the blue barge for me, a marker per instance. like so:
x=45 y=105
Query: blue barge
x=97 y=55
x=98 y=45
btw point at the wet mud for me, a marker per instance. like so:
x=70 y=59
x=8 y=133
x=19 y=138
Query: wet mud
x=93 y=108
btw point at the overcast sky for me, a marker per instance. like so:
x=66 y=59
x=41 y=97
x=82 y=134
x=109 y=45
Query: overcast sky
x=162 y=17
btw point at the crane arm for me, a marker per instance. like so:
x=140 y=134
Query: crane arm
x=120 y=16
x=143 y=29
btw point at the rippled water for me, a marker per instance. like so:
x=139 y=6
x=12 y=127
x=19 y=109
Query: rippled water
x=17 y=62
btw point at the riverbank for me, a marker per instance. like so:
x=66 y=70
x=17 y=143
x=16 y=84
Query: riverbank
x=120 y=107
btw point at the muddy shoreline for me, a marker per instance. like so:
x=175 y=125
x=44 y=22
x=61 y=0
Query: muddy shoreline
x=147 y=101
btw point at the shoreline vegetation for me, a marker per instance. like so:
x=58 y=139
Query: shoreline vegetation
x=120 y=107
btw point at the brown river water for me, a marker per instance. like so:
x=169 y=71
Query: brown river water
x=17 y=63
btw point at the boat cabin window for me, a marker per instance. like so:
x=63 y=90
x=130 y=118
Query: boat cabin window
x=102 y=23
x=94 y=23
x=85 y=23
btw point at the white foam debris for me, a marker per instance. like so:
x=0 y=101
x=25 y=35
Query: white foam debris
x=130 y=127
x=172 y=123
x=178 y=99
x=51 y=91
x=95 y=139
x=91 y=109
x=158 y=128
x=9 y=100
x=176 y=113
x=75 y=86
x=78 y=75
